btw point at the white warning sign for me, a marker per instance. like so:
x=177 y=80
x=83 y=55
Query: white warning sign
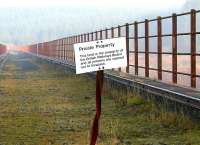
x=99 y=55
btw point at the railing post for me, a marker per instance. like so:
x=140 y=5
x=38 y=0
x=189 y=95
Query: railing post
x=193 y=48
x=84 y=37
x=70 y=54
x=146 y=48
x=64 y=46
x=112 y=35
x=58 y=47
x=92 y=36
x=136 y=47
x=67 y=48
x=159 y=41
x=127 y=46
x=81 y=37
x=78 y=38
x=106 y=33
x=96 y=37
x=101 y=36
x=119 y=35
x=174 y=48
x=88 y=37
x=62 y=52
x=73 y=54
x=112 y=32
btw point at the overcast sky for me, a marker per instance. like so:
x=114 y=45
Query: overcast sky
x=30 y=21
x=146 y=4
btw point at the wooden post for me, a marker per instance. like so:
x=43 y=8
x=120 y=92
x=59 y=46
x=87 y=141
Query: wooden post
x=99 y=87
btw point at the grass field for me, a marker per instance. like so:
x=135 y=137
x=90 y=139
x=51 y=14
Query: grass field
x=42 y=105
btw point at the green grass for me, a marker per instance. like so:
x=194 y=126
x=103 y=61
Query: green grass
x=45 y=106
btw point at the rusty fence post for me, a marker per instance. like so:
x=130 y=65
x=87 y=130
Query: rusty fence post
x=119 y=35
x=84 y=37
x=75 y=41
x=70 y=52
x=193 y=48
x=136 y=47
x=81 y=38
x=127 y=46
x=112 y=32
x=112 y=36
x=67 y=48
x=63 y=48
x=59 y=49
x=174 y=48
x=159 y=45
x=88 y=37
x=92 y=36
x=68 y=55
x=64 y=45
x=106 y=33
x=96 y=35
x=146 y=48
x=101 y=36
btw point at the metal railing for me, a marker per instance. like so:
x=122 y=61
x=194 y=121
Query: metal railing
x=156 y=63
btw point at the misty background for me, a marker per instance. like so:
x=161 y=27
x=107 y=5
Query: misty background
x=27 y=25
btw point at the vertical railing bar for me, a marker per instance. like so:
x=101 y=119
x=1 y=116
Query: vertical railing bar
x=112 y=32
x=159 y=41
x=67 y=52
x=73 y=54
x=146 y=48
x=64 y=49
x=174 y=48
x=106 y=33
x=68 y=49
x=71 y=48
x=88 y=37
x=101 y=36
x=112 y=35
x=84 y=37
x=136 y=47
x=70 y=39
x=127 y=46
x=96 y=35
x=59 y=56
x=193 y=48
x=92 y=36
x=119 y=35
